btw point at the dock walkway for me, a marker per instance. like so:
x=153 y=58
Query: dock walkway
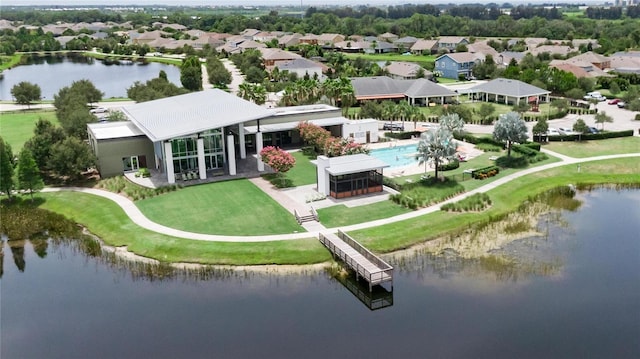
x=364 y=263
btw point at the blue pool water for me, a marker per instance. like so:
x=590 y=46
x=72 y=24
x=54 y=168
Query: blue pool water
x=397 y=156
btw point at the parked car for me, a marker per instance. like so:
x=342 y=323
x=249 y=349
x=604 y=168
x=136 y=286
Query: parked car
x=591 y=130
x=614 y=101
x=553 y=132
x=566 y=131
x=621 y=104
x=595 y=95
x=393 y=127
x=98 y=110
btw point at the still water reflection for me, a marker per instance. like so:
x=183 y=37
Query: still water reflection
x=67 y=304
x=52 y=73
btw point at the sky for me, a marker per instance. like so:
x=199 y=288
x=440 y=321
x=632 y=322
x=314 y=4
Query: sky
x=250 y=2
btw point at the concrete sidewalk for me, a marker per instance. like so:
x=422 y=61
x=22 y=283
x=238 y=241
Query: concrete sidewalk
x=140 y=219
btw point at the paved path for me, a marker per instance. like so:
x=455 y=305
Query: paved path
x=139 y=218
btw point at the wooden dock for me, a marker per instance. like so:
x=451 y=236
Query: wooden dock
x=364 y=263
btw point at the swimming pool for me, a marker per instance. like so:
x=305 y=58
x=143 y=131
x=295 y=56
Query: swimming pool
x=397 y=156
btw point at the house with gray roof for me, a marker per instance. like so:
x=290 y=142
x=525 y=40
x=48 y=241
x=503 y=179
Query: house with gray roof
x=417 y=92
x=200 y=134
x=456 y=65
x=508 y=92
x=405 y=70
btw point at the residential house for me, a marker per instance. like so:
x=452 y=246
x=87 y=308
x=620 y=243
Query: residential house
x=388 y=37
x=289 y=40
x=301 y=67
x=553 y=50
x=249 y=34
x=580 y=69
x=405 y=70
x=404 y=43
x=508 y=92
x=600 y=61
x=625 y=62
x=504 y=58
x=250 y=44
x=264 y=36
x=270 y=56
x=424 y=47
x=451 y=42
x=456 y=65
x=482 y=48
x=592 y=43
x=309 y=39
x=329 y=40
x=148 y=37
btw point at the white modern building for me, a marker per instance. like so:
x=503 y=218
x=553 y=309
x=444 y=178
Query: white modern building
x=206 y=133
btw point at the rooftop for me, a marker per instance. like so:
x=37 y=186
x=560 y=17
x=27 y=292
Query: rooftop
x=113 y=130
x=353 y=164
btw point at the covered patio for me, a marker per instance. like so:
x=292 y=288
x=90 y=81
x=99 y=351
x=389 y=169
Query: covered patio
x=349 y=176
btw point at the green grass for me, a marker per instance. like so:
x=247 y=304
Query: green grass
x=596 y=148
x=7 y=62
x=505 y=198
x=17 y=127
x=425 y=61
x=229 y=208
x=106 y=220
x=303 y=173
x=342 y=215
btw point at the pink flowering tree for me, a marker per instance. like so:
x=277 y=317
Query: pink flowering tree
x=323 y=142
x=279 y=160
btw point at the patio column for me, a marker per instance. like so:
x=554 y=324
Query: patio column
x=168 y=160
x=202 y=166
x=231 y=155
x=322 y=163
x=258 y=149
x=243 y=150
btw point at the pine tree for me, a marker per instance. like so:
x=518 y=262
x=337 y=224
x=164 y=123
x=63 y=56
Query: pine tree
x=28 y=173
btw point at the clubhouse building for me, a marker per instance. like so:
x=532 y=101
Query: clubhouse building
x=208 y=133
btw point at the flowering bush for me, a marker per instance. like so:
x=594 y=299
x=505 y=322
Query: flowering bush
x=279 y=160
x=322 y=141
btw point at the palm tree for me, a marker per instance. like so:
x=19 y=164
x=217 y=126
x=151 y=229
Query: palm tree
x=436 y=146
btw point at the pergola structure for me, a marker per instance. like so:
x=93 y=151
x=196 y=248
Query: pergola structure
x=509 y=92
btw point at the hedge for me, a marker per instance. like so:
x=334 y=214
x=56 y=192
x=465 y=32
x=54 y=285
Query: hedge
x=403 y=135
x=482 y=173
x=452 y=165
x=590 y=136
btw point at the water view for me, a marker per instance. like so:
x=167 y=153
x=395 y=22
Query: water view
x=396 y=156
x=571 y=291
x=52 y=73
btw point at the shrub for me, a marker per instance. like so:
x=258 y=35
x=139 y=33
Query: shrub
x=403 y=135
x=488 y=147
x=513 y=161
x=591 y=136
x=637 y=118
x=485 y=172
x=452 y=165
x=476 y=202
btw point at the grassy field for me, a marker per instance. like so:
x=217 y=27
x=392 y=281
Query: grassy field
x=342 y=215
x=425 y=61
x=505 y=198
x=231 y=208
x=106 y=220
x=303 y=173
x=596 y=148
x=7 y=62
x=17 y=127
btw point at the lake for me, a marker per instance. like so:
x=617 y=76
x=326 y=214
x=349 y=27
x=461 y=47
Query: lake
x=52 y=73
x=572 y=292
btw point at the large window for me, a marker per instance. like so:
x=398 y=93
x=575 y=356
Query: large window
x=185 y=152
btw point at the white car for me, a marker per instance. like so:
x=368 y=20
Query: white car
x=553 y=132
x=98 y=110
x=566 y=131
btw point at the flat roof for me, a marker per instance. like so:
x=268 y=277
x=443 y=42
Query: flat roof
x=112 y=130
x=354 y=164
x=191 y=113
x=293 y=110
x=286 y=126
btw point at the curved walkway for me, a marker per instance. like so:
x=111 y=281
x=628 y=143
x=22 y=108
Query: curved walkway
x=140 y=219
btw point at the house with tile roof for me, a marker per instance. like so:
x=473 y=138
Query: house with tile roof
x=388 y=37
x=270 y=56
x=424 y=47
x=451 y=42
x=600 y=61
x=405 y=70
x=289 y=40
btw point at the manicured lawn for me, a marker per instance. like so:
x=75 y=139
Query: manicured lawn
x=595 y=148
x=505 y=198
x=231 y=208
x=303 y=173
x=425 y=61
x=17 y=127
x=106 y=220
x=342 y=215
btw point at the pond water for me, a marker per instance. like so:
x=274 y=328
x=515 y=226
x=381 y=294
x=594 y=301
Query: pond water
x=578 y=298
x=52 y=73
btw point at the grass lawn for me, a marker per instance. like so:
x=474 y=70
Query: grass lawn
x=106 y=220
x=596 y=148
x=425 y=61
x=303 y=173
x=7 y=62
x=342 y=215
x=230 y=208
x=17 y=127
x=505 y=198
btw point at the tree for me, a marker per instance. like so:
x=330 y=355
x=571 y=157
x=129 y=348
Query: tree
x=255 y=93
x=28 y=173
x=540 y=128
x=279 y=160
x=45 y=135
x=70 y=158
x=580 y=126
x=219 y=76
x=602 y=117
x=6 y=168
x=510 y=128
x=452 y=123
x=25 y=93
x=191 y=74
x=521 y=107
x=435 y=146
x=486 y=110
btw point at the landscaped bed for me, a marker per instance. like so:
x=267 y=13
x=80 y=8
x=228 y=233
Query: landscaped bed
x=235 y=207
